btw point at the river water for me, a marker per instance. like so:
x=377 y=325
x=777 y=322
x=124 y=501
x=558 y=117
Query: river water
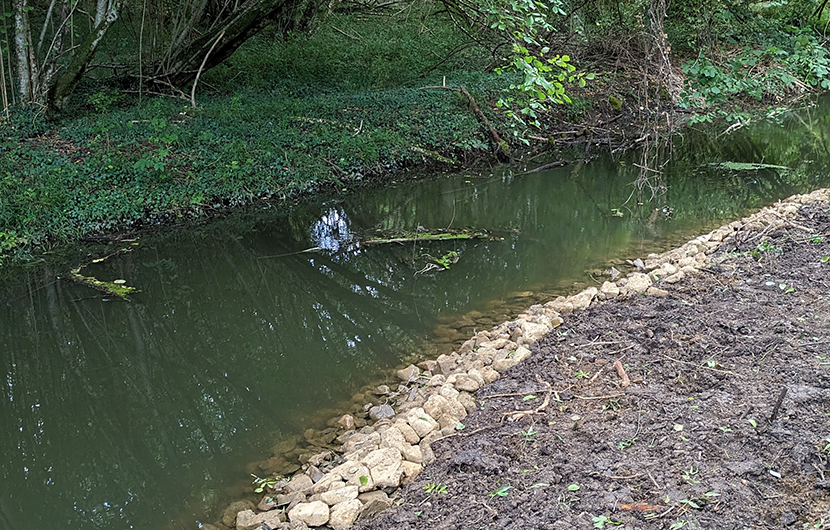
x=144 y=415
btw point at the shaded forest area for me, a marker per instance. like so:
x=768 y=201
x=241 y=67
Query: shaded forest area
x=119 y=115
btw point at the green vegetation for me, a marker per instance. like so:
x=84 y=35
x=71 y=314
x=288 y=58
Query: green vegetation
x=376 y=88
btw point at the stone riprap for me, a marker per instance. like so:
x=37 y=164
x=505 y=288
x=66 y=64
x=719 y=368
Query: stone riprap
x=337 y=488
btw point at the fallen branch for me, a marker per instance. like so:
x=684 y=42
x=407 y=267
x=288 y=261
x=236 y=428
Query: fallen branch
x=503 y=147
x=515 y=416
x=621 y=372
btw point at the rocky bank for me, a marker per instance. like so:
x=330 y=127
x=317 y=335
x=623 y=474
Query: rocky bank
x=391 y=446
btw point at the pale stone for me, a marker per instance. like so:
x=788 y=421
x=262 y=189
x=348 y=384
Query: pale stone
x=374 y=495
x=408 y=432
x=445 y=411
x=466 y=383
x=609 y=289
x=421 y=422
x=521 y=353
x=385 y=467
x=654 y=291
x=475 y=373
x=360 y=441
x=561 y=305
x=448 y=392
x=229 y=514
x=467 y=401
x=534 y=332
x=582 y=300
x=248 y=520
x=299 y=483
x=489 y=374
x=674 y=278
x=437 y=380
x=343 y=515
x=410 y=471
x=314 y=513
x=447 y=364
x=410 y=373
x=336 y=496
x=380 y=412
x=502 y=365
x=393 y=437
x=637 y=282
x=329 y=481
x=352 y=472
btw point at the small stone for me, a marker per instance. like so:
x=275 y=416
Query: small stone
x=637 y=282
x=319 y=459
x=410 y=471
x=248 y=520
x=299 y=483
x=381 y=390
x=655 y=291
x=421 y=422
x=290 y=498
x=561 y=305
x=466 y=383
x=582 y=300
x=674 y=278
x=343 y=515
x=534 y=332
x=489 y=374
x=372 y=508
x=311 y=513
x=408 y=374
x=336 y=496
x=380 y=412
x=610 y=290
x=385 y=467
x=448 y=364
x=268 y=502
x=408 y=432
x=229 y=515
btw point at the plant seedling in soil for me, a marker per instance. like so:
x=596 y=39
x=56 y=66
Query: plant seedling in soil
x=765 y=246
x=689 y=475
x=625 y=444
x=435 y=487
x=600 y=521
x=501 y=492
x=530 y=397
x=529 y=434
x=752 y=422
x=825 y=259
x=573 y=487
x=582 y=374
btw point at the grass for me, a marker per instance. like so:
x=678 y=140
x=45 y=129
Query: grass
x=277 y=120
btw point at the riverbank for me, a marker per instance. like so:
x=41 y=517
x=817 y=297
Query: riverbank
x=693 y=423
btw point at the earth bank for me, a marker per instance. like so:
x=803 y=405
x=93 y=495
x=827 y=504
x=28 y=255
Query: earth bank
x=697 y=436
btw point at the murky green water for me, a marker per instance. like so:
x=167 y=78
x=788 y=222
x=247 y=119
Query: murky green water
x=143 y=415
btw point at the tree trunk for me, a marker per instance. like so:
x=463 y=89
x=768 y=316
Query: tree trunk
x=246 y=21
x=68 y=79
x=23 y=49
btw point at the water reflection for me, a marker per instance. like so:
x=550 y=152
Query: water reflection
x=134 y=415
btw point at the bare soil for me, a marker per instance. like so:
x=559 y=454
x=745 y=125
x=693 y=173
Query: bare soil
x=725 y=425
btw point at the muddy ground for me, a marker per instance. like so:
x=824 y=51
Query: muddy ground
x=701 y=438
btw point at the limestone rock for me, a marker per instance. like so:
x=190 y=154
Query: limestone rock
x=346 y=421
x=229 y=515
x=410 y=471
x=637 y=283
x=359 y=441
x=582 y=300
x=410 y=373
x=336 y=496
x=561 y=305
x=408 y=432
x=610 y=290
x=446 y=412
x=343 y=515
x=466 y=383
x=385 y=467
x=248 y=520
x=489 y=374
x=314 y=513
x=421 y=422
x=655 y=291
x=299 y=483
x=448 y=363
x=268 y=502
x=380 y=412
x=534 y=332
